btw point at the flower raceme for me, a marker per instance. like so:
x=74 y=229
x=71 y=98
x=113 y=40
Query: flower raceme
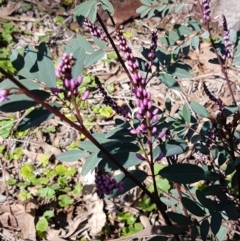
x=64 y=72
x=143 y=97
x=227 y=43
x=94 y=31
x=206 y=10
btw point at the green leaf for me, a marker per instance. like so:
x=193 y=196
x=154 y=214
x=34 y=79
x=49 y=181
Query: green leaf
x=180 y=70
x=128 y=184
x=36 y=117
x=192 y=207
x=231 y=211
x=71 y=156
x=187 y=173
x=79 y=55
x=186 y=48
x=175 y=229
x=94 y=57
x=100 y=43
x=194 y=24
x=199 y=109
x=169 y=81
x=42 y=224
x=27 y=171
x=178 y=7
x=127 y=217
x=90 y=163
x=45 y=64
x=179 y=218
x=186 y=114
x=86 y=9
x=17 y=60
x=39 y=65
x=107 y=6
x=125 y=158
x=75 y=43
x=143 y=11
x=147 y=205
x=182 y=30
x=28 y=83
x=204 y=228
x=195 y=42
x=172 y=37
x=163 y=184
x=65 y=200
x=146 y=3
x=206 y=202
x=48 y=214
x=61 y=169
x=173 y=147
x=168 y=104
x=22 y=102
x=216 y=222
x=47 y=192
x=194 y=232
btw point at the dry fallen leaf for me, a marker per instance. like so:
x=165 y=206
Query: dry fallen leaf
x=17 y=216
x=9 y=9
x=96 y=215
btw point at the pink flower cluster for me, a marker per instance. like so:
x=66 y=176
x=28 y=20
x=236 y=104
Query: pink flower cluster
x=94 y=31
x=153 y=48
x=64 y=72
x=206 y=10
x=143 y=97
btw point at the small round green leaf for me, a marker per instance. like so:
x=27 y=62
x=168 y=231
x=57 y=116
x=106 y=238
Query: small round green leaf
x=42 y=225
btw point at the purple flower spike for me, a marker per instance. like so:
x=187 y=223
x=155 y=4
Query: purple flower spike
x=227 y=43
x=206 y=10
x=64 y=72
x=3 y=95
x=94 y=31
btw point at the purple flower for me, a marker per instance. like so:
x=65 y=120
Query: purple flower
x=227 y=43
x=3 y=95
x=206 y=10
x=64 y=72
x=94 y=31
x=110 y=102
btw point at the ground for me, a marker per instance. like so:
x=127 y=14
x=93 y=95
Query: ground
x=35 y=22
